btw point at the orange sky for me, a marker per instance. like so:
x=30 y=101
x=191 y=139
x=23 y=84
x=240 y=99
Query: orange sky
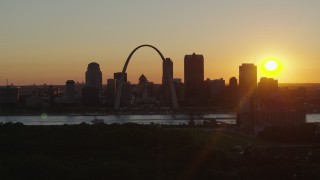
x=51 y=42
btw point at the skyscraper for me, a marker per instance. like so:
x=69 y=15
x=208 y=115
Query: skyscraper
x=194 y=78
x=92 y=91
x=167 y=67
x=94 y=76
x=247 y=87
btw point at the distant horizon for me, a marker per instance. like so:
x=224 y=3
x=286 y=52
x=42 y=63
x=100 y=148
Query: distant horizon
x=104 y=84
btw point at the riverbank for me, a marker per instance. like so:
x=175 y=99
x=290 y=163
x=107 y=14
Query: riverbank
x=132 y=151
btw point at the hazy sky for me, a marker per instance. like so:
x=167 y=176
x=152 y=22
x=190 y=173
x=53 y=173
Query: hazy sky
x=46 y=41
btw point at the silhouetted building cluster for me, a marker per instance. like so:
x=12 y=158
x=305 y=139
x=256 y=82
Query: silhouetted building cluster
x=260 y=105
x=9 y=95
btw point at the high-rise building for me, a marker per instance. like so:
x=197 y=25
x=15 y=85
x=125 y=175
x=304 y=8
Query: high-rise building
x=167 y=67
x=92 y=91
x=247 y=87
x=194 y=78
x=94 y=76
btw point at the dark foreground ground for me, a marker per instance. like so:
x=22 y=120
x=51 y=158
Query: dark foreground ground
x=133 y=151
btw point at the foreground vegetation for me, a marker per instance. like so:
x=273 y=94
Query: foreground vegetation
x=133 y=151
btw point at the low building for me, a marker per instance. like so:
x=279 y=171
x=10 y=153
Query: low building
x=9 y=95
x=91 y=96
x=256 y=121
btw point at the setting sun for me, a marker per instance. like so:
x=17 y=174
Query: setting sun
x=271 y=65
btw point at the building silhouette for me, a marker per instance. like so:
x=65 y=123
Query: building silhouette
x=143 y=79
x=247 y=87
x=117 y=76
x=94 y=76
x=111 y=88
x=167 y=67
x=194 y=78
x=233 y=83
x=92 y=91
x=70 y=89
x=267 y=92
x=214 y=87
x=126 y=87
x=180 y=89
x=90 y=96
x=9 y=95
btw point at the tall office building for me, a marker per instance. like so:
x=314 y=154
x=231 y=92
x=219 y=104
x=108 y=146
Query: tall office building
x=94 y=76
x=194 y=78
x=247 y=87
x=92 y=91
x=167 y=66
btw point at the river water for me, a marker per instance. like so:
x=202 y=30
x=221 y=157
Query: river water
x=109 y=119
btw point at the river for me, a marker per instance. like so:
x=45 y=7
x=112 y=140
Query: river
x=109 y=119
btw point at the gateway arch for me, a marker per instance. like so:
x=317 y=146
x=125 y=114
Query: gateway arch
x=170 y=80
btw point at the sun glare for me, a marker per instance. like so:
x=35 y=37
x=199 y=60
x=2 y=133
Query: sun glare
x=271 y=65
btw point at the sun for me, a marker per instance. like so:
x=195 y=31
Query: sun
x=271 y=65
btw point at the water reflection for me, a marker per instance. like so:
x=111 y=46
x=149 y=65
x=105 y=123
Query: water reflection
x=141 y=119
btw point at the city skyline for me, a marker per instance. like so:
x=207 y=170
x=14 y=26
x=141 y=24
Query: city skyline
x=50 y=42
